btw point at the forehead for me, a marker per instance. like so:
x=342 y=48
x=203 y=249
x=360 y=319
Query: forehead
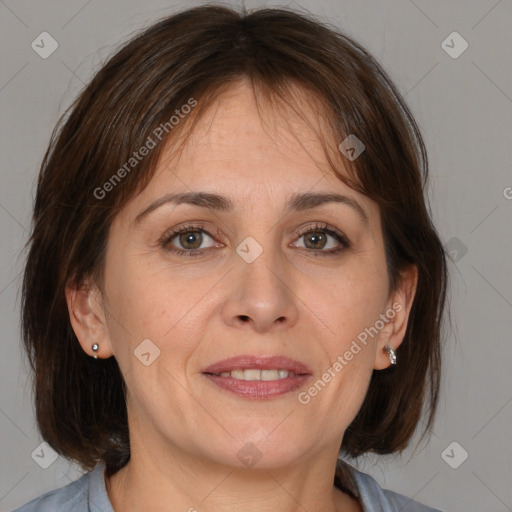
x=246 y=135
x=258 y=153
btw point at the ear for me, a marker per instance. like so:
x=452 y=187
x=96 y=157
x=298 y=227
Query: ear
x=88 y=319
x=397 y=316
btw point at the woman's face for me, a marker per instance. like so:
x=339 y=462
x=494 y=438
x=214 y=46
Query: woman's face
x=271 y=275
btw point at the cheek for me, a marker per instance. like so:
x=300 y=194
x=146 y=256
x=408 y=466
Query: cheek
x=136 y=306
x=347 y=303
x=151 y=302
x=342 y=382
x=139 y=294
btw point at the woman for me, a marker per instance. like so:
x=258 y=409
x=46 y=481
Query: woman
x=233 y=278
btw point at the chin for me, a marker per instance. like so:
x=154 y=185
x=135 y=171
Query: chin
x=258 y=448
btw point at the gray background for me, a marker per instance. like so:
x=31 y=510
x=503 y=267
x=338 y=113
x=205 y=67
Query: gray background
x=463 y=107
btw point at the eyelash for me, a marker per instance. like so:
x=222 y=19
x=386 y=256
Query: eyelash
x=342 y=239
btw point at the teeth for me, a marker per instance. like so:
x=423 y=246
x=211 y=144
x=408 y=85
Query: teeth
x=254 y=374
x=270 y=374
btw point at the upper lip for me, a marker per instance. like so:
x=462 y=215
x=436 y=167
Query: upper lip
x=244 y=362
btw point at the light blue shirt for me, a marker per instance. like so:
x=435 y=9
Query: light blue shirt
x=88 y=494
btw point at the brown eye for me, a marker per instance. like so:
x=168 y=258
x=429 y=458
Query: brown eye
x=190 y=239
x=323 y=241
x=187 y=240
x=315 y=240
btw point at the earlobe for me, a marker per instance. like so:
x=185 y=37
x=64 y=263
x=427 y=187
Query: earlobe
x=392 y=335
x=391 y=353
x=386 y=350
x=88 y=319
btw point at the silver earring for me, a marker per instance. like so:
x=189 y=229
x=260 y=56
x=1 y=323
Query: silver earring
x=391 y=353
x=95 y=349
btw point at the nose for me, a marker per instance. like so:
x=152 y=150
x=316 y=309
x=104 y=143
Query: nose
x=261 y=296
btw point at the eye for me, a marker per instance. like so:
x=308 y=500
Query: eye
x=320 y=237
x=189 y=239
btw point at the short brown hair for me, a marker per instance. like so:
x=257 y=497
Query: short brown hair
x=80 y=402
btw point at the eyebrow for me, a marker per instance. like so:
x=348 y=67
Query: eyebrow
x=298 y=202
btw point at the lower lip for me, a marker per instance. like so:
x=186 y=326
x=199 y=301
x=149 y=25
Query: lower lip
x=258 y=389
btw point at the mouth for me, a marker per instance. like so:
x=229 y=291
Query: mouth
x=258 y=377
x=253 y=374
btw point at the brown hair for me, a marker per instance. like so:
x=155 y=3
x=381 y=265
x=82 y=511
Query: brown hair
x=80 y=401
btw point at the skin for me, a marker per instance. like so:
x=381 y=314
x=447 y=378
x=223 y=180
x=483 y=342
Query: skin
x=186 y=432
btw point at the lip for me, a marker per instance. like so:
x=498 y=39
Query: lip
x=245 y=362
x=258 y=389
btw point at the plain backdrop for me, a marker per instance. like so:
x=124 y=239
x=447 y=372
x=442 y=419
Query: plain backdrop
x=463 y=105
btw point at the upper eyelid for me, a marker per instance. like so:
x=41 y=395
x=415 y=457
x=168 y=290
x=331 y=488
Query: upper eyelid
x=171 y=233
x=317 y=225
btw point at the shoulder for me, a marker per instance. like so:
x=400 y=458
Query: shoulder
x=87 y=494
x=376 y=499
x=71 y=497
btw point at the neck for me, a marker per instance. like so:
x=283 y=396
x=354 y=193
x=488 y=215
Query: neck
x=150 y=483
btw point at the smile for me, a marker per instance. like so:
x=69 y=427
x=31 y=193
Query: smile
x=256 y=374
x=258 y=377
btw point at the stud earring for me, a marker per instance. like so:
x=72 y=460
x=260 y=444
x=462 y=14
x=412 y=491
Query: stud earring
x=95 y=349
x=391 y=353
